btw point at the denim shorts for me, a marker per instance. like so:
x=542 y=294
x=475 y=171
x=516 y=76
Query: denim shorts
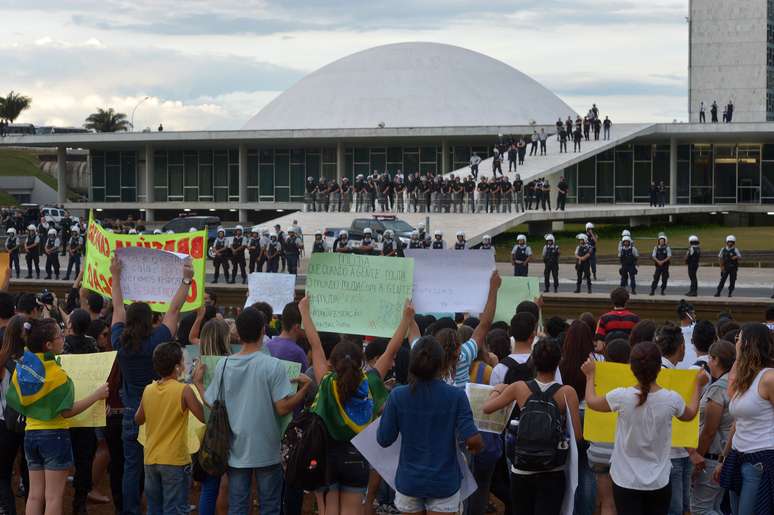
x=48 y=449
x=348 y=470
x=408 y=504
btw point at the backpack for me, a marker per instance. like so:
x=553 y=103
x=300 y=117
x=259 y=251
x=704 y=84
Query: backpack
x=15 y=422
x=541 y=444
x=304 y=452
x=216 y=444
x=518 y=371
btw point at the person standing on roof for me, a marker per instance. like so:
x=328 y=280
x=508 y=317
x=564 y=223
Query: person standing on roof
x=311 y=188
x=606 y=128
x=542 y=137
x=474 y=162
x=496 y=162
x=521 y=254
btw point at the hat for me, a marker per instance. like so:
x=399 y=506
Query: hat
x=192 y=229
x=75 y=228
x=521 y=237
x=627 y=238
x=438 y=233
x=421 y=226
x=367 y=230
x=272 y=235
x=693 y=238
x=662 y=236
x=625 y=232
x=31 y=228
x=239 y=228
x=589 y=225
x=255 y=229
x=344 y=232
x=388 y=233
x=549 y=237
x=414 y=233
x=11 y=230
x=132 y=231
x=156 y=231
x=486 y=237
x=731 y=238
x=221 y=229
x=461 y=233
x=51 y=231
x=291 y=229
x=582 y=236
x=318 y=233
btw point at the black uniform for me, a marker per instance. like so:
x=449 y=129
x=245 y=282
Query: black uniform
x=692 y=258
x=416 y=244
x=729 y=269
x=74 y=248
x=220 y=260
x=561 y=196
x=551 y=262
x=318 y=246
x=238 y=258
x=12 y=246
x=460 y=245
x=292 y=252
x=52 y=256
x=628 y=258
x=32 y=246
x=520 y=253
x=662 y=272
x=389 y=248
x=583 y=267
x=254 y=250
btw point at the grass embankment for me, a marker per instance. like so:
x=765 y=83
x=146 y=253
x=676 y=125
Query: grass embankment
x=18 y=162
x=712 y=238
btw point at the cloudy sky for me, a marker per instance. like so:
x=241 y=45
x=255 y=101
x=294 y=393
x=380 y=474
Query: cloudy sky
x=212 y=64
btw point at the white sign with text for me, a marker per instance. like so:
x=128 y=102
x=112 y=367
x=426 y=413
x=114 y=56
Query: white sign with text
x=277 y=290
x=150 y=275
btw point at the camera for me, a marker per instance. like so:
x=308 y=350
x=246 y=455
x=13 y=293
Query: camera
x=46 y=297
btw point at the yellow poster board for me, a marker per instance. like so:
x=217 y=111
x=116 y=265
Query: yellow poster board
x=600 y=427
x=88 y=372
x=5 y=267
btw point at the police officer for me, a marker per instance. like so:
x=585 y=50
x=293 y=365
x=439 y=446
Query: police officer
x=389 y=246
x=424 y=237
x=438 y=242
x=292 y=247
x=561 y=196
x=359 y=191
x=520 y=256
x=460 y=244
x=273 y=251
x=729 y=257
x=254 y=249
x=74 y=251
x=238 y=245
x=662 y=255
x=628 y=256
x=399 y=190
x=263 y=244
x=592 y=242
x=483 y=195
x=319 y=243
x=415 y=242
x=551 y=262
x=692 y=257
x=334 y=193
x=469 y=186
x=367 y=244
x=506 y=194
x=12 y=246
x=583 y=253
x=411 y=193
x=322 y=195
x=518 y=193
x=486 y=242
x=311 y=187
x=346 y=196
x=281 y=236
x=51 y=248
x=342 y=243
x=220 y=254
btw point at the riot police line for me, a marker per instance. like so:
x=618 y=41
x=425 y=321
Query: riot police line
x=46 y=241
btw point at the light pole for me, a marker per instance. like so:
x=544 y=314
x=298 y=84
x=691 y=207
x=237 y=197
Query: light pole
x=135 y=109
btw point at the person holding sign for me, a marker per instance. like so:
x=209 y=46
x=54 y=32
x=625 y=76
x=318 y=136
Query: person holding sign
x=342 y=243
x=640 y=464
x=135 y=339
x=42 y=391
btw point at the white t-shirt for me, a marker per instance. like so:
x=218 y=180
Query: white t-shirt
x=690 y=351
x=500 y=370
x=643 y=437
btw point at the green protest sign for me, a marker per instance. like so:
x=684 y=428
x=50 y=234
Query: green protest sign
x=355 y=294
x=513 y=291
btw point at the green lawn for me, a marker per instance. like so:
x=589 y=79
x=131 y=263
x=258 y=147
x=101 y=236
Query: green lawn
x=712 y=237
x=23 y=162
x=7 y=200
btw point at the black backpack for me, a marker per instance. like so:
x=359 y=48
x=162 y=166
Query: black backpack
x=216 y=444
x=541 y=444
x=15 y=422
x=304 y=452
x=518 y=371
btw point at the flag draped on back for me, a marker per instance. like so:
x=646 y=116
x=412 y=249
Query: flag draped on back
x=40 y=388
x=345 y=420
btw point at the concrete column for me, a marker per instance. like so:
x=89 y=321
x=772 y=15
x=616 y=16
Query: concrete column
x=445 y=166
x=61 y=175
x=243 y=213
x=340 y=174
x=149 y=215
x=557 y=226
x=673 y=171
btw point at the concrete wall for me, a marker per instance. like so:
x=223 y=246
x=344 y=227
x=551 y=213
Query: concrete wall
x=728 y=57
x=78 y=175
x=39 y=191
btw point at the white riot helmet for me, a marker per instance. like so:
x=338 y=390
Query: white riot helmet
x=255 y=229
x=170 y=231
x=52 y=232
x=75 y=229
x=521 y=237
x=239 y=228
x=291 y=230
x=460 y=233
x=11 y=231
x=693 y=239
x=192 y=229
x=221 y=230
x=156 y=231
x=625 y=232
x=388 y=234
x=414 y=234
x=318 y=233
x=730 y=238
x=273 y=235
x=486 y=237
x=421 y=226
x=367 y=231
x=626 y=238
x=662 y=236
x=343 y=234
x=549 y=237
x=131 y=231
x=437 y=233
x=589 y=225
x=582 y=237
x=31 y=228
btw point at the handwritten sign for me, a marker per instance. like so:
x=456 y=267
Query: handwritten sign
x=455 y=281
x=88 y=372
x=277 y=290
x=149 y=275
x=495 y=422
x=354 y=294
x=513 y=291
x=601 y=427
x=101 y=243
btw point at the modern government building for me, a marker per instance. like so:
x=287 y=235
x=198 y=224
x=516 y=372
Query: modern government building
x=426 y=107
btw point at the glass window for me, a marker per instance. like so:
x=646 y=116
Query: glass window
x=427 y=154
x=160 y=169
x=378 y=162
x=623 y=168
x=266 y=155
x=701 y=195
x=205 y=157
x=252 y=170
x=605 y=179
x=701 y=169
x=683 y=178
x=394 y=155
x=361 y=155
x=725 y=180
x=113 y=181
x=749 y=173
x=98 y=194
x=623 y=194
x=176 y=181
x=297 y=179
x=191 y=169
x=767 y=180
x=205 y=181
x=683 y=152
x=128 y=170
x=281 y=172
x=571 y=175
x=768 y=152
x=410 y=163
x=607 y=155
x=586 y=195
x=661 y=167
x=587 y=173
x=175 y=157
x=297 y=155
x=221 y=170
x=642 y=152
x=266 y=180
x=462 y=154
x=329 y=154
x=641 y=178
x=329 y=170
x=281 y=195
x=98 y=169
x=233 y=180
x=426 y=168
x=312 y=165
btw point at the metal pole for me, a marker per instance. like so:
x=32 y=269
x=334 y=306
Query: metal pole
x=135 y=109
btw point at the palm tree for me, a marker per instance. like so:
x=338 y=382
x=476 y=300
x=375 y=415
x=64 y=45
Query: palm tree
x=11 y=106
x=107 y=120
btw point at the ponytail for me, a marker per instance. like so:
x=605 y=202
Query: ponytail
x=645 y=362
x=347 y=362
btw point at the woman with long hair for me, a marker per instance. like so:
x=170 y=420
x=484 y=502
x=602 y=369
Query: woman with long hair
x=347 y=401
x=10 y=440
x=578 y=344
x=135 y=338
x=748 y=469
x=640 y=463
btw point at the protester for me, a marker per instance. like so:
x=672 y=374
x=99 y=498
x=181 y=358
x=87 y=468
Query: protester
x=619 y=319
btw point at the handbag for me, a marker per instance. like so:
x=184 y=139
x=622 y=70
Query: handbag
x=216 y=444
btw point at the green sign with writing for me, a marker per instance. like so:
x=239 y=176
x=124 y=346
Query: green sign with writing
x=355 y=294
x=512 y=292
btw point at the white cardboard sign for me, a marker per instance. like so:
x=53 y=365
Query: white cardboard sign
x=277 y=290
x=150 y=275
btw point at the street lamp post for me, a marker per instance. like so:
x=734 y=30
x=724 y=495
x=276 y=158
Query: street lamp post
x=135 y=109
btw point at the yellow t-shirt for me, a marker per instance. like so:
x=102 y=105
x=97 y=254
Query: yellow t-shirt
x=59 y=422
x=166 y=424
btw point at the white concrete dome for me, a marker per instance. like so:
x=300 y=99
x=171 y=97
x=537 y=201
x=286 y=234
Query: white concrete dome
x=412 y=85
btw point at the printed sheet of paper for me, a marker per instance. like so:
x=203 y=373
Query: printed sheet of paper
x=385 y=459
x=88 y=372
x=494 y=422
x=451 y=281
x=354 y=294
x=277 y=290
x=601 y=427
x=149 y=275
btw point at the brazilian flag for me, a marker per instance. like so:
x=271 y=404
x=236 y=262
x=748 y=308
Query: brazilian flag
x=345 y=420
x=40 y=388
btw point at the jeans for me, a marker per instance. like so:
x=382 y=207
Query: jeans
x=269 y=481
x=586 y=493
x=538 y=493
x=133 y=464
x=706 y=494
x=744 y=503
x=482 y=472
x=641 y=502
x=166 y=489
x=10 y=443
x=84 y=443
x=116 y=467
x=48 y=449
x=680 y=481
x=209 y=495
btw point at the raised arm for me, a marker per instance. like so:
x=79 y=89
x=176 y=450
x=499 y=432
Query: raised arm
x=172 y=317
x=196 y=328
x=485 y=323
x=319 y=361
x=119 y=311
x=387 y=359
x=692 y=407
x=593 y=400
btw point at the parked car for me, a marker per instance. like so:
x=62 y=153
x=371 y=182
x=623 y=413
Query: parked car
x=54 y=213
x=378 y=224
x=185 y=223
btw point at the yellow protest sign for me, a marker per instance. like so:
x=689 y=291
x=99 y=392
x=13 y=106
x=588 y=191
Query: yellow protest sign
x=600 y=427
x=88 y=371
x=101 y=243
x=195 y=430
x=5 y=267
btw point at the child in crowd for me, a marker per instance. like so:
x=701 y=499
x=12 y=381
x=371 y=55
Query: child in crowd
x=164 y=411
